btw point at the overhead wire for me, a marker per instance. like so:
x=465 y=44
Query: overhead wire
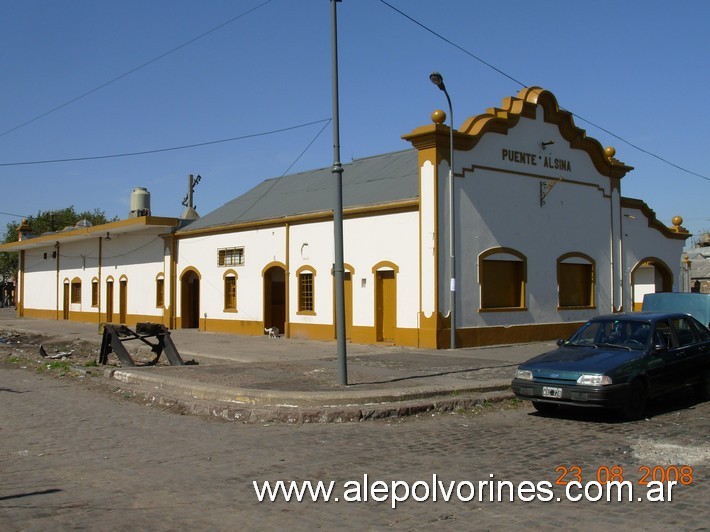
x=14 y=215
x=173 y=148
x=277 y=180
x=505 y=74
x=136 y=69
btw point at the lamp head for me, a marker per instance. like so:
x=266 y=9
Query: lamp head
x=438 y=80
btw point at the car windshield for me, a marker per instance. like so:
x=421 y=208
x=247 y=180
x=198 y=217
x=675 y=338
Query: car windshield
x=622 y=334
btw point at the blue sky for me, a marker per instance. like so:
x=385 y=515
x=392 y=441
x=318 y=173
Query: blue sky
x=638 y=69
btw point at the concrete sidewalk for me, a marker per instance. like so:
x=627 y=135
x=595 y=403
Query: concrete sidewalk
x=268 y=379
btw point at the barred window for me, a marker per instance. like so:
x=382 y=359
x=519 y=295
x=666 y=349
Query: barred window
x=230 y=257
x=305 y=292
x=230 y=293
x=75 y=293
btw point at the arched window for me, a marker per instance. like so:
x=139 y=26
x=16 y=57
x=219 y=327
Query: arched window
x=306 y=290
x=502 y=274
x=575 y=281
x=94 y=292
x=230 y=291
x=75 y=293
x=160 y=290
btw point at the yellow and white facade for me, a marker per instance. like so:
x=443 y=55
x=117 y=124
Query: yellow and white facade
x=543 y=241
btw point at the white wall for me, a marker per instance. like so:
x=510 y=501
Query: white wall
x=367 y=242
x=501 y=208
x=261 y=247
x=138 y=256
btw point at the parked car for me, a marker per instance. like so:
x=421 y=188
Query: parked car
x=619 y=362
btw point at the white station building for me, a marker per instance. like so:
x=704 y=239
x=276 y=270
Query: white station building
x=543 y=240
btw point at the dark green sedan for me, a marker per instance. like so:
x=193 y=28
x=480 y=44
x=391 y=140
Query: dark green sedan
x=619 y=362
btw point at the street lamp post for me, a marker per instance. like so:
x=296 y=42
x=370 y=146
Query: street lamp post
x=438 y=80
x=338 y=263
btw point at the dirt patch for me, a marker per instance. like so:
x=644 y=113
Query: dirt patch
x=45 y=353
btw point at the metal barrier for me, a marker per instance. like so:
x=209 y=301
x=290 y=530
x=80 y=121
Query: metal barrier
x=115 y=335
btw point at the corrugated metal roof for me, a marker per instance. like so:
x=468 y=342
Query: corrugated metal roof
x=375 y=180
x=700 y=267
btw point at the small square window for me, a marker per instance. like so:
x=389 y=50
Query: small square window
x=230 y=257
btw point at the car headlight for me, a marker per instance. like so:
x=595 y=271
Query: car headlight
x=524 y=374
x=594 y=380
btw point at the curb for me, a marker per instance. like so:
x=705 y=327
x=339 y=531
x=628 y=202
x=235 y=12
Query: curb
x=257 y=406
x=280 y=398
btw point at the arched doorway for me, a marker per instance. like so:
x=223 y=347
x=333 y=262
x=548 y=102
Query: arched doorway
x=190 y=300
x=122 y=300
x=649 y=276
x=275 y=297
x=109 y=300
x=348 y=300
x=385 y=301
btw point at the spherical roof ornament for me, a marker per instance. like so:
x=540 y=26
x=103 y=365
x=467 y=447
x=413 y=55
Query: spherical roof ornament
x=610 y=151
x=438 y=117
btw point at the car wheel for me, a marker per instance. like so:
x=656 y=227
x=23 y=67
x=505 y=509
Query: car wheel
x=635 y=404
x=544 y=408
x=703 y=387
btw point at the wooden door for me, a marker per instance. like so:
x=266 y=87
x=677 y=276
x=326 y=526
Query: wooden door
x=386 y=306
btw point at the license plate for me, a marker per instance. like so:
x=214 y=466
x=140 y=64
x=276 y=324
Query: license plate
x=555 y=393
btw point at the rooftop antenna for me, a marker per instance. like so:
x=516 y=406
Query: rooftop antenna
x=190 y=213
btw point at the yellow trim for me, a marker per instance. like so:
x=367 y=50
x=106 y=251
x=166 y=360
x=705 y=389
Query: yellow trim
x=89 y=317
x=121 y=226
x=236 y=327
x=20 y=296
x=98 y=293
x=98 y=276
x=523 y=289
x=662 y=267
x=515 y=334
x=229 y=273
x=427 y=327
x=172 y=313
x=160 y=277
x=385 y=265
x=406 y=337
x=501 y=120
x=348 y=318
x=593 y=282
x=187 y=269
x=310 y=269
x=653 y=222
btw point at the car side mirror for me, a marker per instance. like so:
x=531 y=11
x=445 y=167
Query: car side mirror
x=560 y=341
x=660 y=348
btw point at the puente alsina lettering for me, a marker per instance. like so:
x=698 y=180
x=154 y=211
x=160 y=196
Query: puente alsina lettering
x=532 y=159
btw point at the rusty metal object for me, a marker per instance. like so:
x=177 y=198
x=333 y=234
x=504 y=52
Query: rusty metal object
x=114 y=337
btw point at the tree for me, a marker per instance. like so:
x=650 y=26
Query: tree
x=43 y=222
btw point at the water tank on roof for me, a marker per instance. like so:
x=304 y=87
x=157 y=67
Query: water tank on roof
x=704 y=240
x=140 y=202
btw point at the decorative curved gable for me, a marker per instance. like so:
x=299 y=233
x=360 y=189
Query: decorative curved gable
x=500 y=120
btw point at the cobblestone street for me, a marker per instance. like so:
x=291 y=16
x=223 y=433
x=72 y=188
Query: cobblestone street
x=73 y=457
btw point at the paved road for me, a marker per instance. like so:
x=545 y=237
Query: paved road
x=75 y=458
